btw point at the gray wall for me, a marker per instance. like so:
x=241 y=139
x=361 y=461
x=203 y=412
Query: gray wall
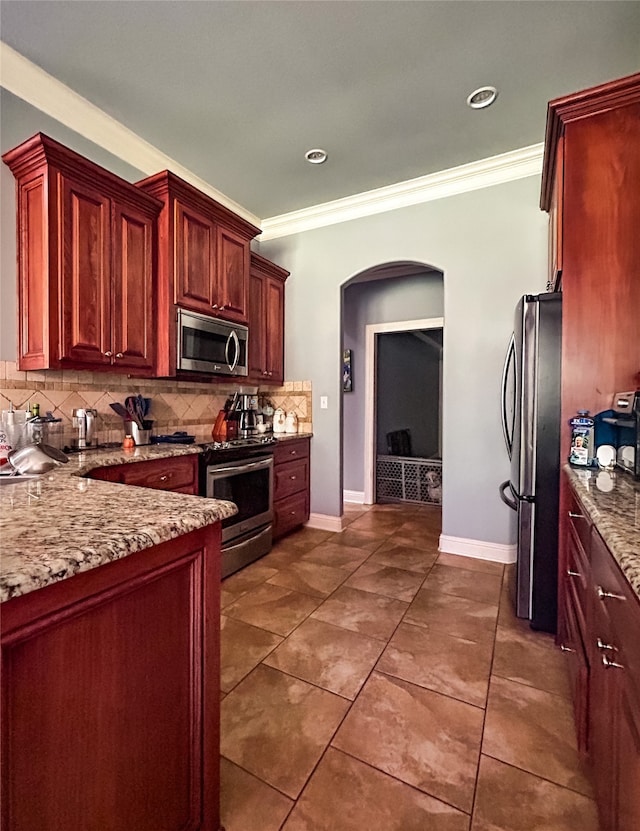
x=386 y=300
x=407 y=392
x=491 y=245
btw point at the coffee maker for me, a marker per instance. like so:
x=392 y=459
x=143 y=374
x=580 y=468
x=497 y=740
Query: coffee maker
x=245 y=414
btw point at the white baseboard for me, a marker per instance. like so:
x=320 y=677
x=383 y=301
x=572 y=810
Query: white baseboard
x=357 y=497
x=497 y=552
x=325 y=522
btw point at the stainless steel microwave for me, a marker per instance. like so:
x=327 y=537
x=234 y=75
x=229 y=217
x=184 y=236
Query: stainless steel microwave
x=206 y=344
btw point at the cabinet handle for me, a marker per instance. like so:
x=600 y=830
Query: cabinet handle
x=566 y=648
x=270 y=373
x=292 y=513
x=603 y=595
x=164 y=477
x=293 y=477
x=108 y=353
x=215 y=306
x=575 y=516
x=292 y=452
x=573 y=573
x=265 y=372
x=602 y=645
x=119 y=355
x=607 y=663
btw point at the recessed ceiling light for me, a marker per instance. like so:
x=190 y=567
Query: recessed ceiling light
x=482 y=97
x=316 y=156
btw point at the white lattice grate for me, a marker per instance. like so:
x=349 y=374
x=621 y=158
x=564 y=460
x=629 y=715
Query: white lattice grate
x=408 y=479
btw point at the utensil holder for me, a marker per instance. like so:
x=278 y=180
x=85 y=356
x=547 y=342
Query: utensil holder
x=140 y=436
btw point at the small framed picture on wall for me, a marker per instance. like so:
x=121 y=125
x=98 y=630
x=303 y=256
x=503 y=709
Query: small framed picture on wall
x=347 y=380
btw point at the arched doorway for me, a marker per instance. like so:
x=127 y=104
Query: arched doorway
x=400 y=297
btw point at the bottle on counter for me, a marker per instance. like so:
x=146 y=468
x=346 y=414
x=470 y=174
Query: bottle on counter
x=128 y=443
x=582 y=451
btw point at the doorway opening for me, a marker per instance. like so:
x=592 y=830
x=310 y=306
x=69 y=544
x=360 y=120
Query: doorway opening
x=403 y=418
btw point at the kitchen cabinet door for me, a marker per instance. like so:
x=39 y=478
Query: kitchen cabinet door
x=257 y=317
x=85 y=312
x=266 y=321
x=274 y=336
x=195 y=259
x=628 y=792
x=232 y=275
x=132 y=316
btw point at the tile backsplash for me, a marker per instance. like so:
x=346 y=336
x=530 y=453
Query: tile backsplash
x=176 y=405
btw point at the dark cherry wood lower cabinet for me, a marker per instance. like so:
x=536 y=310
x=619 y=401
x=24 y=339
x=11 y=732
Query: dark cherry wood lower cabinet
x=110 y=695
x=291 y=485
x=599 y=626
x=178 y=474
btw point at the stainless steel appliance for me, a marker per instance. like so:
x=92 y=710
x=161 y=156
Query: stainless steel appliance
x=206 y=344
x=531 y=426
x=84 y=421
x=245 y=412
x=242 y=472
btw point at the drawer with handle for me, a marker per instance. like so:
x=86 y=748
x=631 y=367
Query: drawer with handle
x=290 y=478
x=289 y=513
x=288 y=450
x=171 y=474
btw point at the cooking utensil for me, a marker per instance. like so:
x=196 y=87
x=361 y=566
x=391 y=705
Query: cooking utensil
x=36 y=458
x=133 y=409
x=122 y=411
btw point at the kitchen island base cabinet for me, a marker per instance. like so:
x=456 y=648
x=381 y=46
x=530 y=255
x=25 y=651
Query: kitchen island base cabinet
x=110 y=695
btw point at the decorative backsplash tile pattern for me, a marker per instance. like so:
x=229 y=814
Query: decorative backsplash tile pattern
x=176 y=405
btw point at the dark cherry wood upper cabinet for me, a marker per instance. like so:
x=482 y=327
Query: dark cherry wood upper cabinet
x=203 y=260
x=266 y=321
x=599 y=130
x=85 y=263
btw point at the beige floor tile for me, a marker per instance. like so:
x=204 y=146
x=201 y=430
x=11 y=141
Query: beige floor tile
x=470 y=563
x=474 y=585
x=421 y=737
x=368 y=540
x=281 y=556
x=305 y=538
x=277 y=727
x=347 y=557
x=448 y=665
x=454 y=616
x=346 y=795
x=426 y=540
x=249 y=577
x=386 y=580
x=329 y=657
x=533 y=730
x=364 y=612
x=247 y=804
x=242 y=647
x=530 y=658
x=379 y=523
x=310 y=578
x=508 y=799
x=274 y=608
x=401 y=556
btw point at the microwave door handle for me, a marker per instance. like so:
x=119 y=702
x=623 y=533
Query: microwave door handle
x=508 y=436
x=232 y=336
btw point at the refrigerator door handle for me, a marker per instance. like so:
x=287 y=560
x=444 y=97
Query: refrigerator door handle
x=510 y=502
x=510 y=357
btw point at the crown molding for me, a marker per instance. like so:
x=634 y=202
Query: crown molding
x=507 y=167
x=44 y=92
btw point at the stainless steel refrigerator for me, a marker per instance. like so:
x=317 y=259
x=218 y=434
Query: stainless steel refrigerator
x=531 y=426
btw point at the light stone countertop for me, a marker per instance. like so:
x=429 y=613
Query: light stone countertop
x=615 y=514
x=60 y=523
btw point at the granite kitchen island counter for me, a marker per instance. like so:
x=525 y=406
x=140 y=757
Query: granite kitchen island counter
x=62 y=523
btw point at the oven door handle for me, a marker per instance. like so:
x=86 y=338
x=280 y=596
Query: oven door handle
x=214 y=470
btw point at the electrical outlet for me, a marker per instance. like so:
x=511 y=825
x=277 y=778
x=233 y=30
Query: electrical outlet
x=324 y=402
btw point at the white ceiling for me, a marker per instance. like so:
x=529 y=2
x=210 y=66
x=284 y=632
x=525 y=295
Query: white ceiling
x=238 y=91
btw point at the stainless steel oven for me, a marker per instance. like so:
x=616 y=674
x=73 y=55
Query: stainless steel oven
x=248 y=482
